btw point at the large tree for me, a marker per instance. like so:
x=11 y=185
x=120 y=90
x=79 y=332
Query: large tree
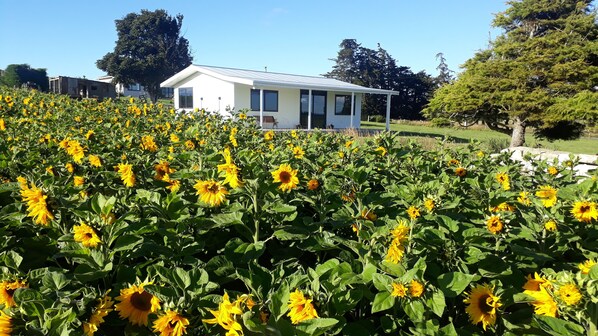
x=542 y=72
x=149 y=49
x=376 y=68
x=17 y=75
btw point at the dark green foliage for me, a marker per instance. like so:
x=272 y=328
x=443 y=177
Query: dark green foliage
x=377 y=69
x=540 y=73
x=17 y=75
x=149 y=49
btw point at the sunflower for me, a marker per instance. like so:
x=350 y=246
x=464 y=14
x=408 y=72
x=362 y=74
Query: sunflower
x=543 y=302
x=398 y=290
x=189 y=145
x=298 y=152
x=482 y=305
x=269 y=135
x=503 y=179
x=103 y=308
x=313 y=184
x=416 y=288
x=368 y=214
x=2 y=125
x=74 y=149
x=413 y=212
x=494 y=224
x=226 y=314
x=136 y=304
x=429 y=204
x=552 y=170
x=171 y=324
x=36 y=204
x=570 y=294
x=585 y=211
x=78 y=181
x=147 y=143
x=395 y=252
x=381 y=151
x=548 y=195
x=586 y=266
x=400 y=232
x=162 y=169
x=287 y=177
x=94 y=160
x=534 y=283
x=210 y=192
x=301 y=308
x=7 y=290
x=523 y=198
x=86 y=235
x=550 y=226
x=453 y=162
x=5 y=324
x=460 y=171
x=126 y=174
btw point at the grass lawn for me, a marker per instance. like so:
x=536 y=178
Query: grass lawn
x=492 y=140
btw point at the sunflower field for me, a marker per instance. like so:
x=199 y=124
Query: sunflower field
x=128 y=218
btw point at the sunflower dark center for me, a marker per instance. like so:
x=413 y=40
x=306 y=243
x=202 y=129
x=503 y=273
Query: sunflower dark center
x=10 y=291
x=285 y=177
x=213 y=188
x=89 y=235
x=142 y=301
x=483 y=304
x=584 y=208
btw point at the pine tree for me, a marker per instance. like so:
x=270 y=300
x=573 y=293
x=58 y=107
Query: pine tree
x=541 y=73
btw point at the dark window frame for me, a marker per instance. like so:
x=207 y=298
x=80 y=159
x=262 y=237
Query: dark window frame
x=186 y=99
x=254 y=100
x=346 y=109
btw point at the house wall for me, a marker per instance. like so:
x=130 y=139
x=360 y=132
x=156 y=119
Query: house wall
x=208 y=88
x=342 y=121
x=289 y=104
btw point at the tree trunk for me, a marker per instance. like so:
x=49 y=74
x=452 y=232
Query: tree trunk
x=518 y=135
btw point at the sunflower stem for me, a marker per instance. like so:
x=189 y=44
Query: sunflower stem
x=256 y=221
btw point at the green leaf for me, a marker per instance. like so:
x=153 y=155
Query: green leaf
x=181 y=278
x=437 y=303
x=126 y=242
x=327 y=266
x=453 y=283
x=227 y=219
x=448 y=330
x=316 y=326
x=280 y=300
x=54 y=280
x=382 y=282
x=556 y=327
x=368 y=272
x=414 y=309
x=593 y=273
x=12 y=260
x=382 y=301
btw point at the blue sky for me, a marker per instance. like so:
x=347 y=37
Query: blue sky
x=67 y=37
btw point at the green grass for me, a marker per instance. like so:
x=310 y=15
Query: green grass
x=488 y=138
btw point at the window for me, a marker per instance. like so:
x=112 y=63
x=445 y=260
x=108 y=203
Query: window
x=342 y=105
x=270 y=100
x=134 y=87
x=185 y=97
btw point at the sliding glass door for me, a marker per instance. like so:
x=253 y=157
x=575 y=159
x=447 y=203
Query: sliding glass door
x=318 y=109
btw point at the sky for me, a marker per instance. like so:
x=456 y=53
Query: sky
x=297 y=37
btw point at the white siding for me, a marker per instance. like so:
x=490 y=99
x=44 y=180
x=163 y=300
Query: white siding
x=210 y=89
x=342 y=121
x=288 y=105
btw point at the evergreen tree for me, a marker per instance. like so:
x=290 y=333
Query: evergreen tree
x=378 y=69
x=541 y=73
x=17 y=75
x=445 y=75
x=149 y=49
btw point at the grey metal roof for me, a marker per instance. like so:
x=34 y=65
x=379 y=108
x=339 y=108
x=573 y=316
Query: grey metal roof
x=262 y=79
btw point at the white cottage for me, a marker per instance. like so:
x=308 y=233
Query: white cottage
x=275 y=99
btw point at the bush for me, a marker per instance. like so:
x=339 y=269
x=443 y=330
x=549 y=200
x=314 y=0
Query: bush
x=129 y=217
x=441 y=122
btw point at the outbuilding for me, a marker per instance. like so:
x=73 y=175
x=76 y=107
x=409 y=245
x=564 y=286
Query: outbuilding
x=274 y=99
